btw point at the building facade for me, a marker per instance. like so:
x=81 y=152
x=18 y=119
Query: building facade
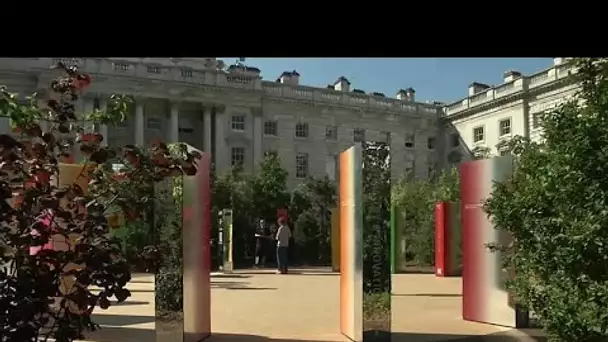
x=238 y=117
x=491 y=115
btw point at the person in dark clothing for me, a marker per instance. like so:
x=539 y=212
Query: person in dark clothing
x=262 y=241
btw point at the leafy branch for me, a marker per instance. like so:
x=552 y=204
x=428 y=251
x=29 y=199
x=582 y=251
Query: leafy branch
x=54 y=235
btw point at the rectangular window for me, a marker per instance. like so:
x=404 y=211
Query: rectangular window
x=331 y=133
x=302 y=130
x=430 y=170
x=270 y=128
x=301 y=165
x=330 y=166
x=386 y=136
x=359 y=134
x=536 y=120
x=154 y=70
x=121 y=66
x=187 y=73
x=430 y=143
x=478 y=134
x=455 y=140
x=185 y=126
x=410 y=167
x=237 y=156
x=154 y=123
x=238 y=123
x=410 y=140
x=505 y=127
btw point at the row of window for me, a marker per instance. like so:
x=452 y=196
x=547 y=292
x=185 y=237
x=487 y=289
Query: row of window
x=301 y=131
x=237 y=158
x=331 y=132
x=157 y=124
x=158 y=70
x=504 y=128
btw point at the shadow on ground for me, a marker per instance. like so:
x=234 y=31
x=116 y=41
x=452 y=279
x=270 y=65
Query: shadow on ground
x=117 y=334
x=438 y=295
x=130 y=302
x=230 y=276
x=121 y=320
x=139 y=290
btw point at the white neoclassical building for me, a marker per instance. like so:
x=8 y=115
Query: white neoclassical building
x=238 y=117
x=491 y=114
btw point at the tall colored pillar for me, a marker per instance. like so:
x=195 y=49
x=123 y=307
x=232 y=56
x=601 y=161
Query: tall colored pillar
x=446 y=240
x=398 y=263
x=365 y=275
x=191 y=321
x=484 y=295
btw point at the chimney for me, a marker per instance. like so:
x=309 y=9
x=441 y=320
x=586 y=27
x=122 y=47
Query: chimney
x=295 y=78
x=285 y=77
x=558 y=60
x=243 y=70
x=475 y=88
x=342 y=84
x=408 y=94
x=289 y=77
x=511 y=75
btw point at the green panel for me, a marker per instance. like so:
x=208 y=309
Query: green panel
x=398 y=239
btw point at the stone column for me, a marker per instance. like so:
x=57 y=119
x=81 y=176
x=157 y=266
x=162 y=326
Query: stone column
x=173 y=135
x=222 y=151
x=103 y=129
x=258 y=132
x=139 y=122
x=207 y=144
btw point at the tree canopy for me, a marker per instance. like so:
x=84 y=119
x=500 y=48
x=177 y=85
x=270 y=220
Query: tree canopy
x=554 y=206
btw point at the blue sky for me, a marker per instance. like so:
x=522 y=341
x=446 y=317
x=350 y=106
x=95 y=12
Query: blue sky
x=434 y=79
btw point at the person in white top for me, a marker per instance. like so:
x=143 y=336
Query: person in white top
x=283 y=236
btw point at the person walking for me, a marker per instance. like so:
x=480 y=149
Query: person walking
x=283 y=237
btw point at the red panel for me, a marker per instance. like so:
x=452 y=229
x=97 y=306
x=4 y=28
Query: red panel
x=472 y=258
x=445 y=243
x=440 y=239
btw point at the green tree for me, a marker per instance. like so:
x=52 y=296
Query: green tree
x=417 y=198
x=267 y=189
x=481 y=152
x=231 y=191
x=311 y=204
x=169 y=268
x=40 y=296
x=554 y=206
